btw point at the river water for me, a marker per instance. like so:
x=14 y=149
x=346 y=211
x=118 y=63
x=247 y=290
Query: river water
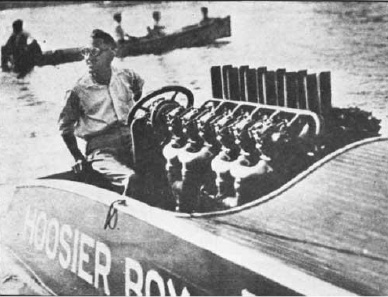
x=348 y=39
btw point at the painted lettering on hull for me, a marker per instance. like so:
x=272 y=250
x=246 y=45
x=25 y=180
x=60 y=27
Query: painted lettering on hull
x=152 y=282
x=90 y=259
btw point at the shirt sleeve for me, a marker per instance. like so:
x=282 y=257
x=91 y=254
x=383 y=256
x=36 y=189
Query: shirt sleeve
x=119 y=33
x=28 y=36
x=70 y=114
x=10 y=42
x=135 y=81
x=137 y=84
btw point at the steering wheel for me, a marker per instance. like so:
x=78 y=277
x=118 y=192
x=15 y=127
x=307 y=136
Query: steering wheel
x=163 y=104
x=176 y=89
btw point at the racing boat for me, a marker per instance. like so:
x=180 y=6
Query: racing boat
x=235 y=198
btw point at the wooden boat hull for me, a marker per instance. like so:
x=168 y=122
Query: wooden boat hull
x=35 y=57
x=61 y=56
x=22 y=63
x=190 y=36
x=59 y=235
x=56 y=228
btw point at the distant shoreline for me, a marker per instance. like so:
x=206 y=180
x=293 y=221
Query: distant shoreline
x=32 y=4
x=24 y=4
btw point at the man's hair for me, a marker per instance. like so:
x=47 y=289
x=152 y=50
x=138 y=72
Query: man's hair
x=17 y=26
x=204 y=9
x=105 y=37
x=156 y=15
x=117 y=17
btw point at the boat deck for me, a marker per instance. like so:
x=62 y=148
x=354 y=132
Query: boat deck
x=330 y=222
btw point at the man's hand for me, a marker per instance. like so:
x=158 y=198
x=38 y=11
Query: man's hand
x=80 y=161
x=79 y=166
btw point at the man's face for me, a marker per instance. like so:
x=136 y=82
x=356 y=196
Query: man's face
x=100 y=57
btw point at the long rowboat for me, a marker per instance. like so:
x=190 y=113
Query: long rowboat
x=190 y=36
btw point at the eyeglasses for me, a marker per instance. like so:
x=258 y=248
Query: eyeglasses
x=92 y=51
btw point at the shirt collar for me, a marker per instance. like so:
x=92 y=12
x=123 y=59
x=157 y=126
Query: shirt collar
x=90 y=83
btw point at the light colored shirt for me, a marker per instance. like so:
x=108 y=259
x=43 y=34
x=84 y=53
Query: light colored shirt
x=157 y=31
x=91 y=108
x=119 y=32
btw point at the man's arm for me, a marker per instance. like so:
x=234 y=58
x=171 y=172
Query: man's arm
x=137 y=96
x=71 y=143
x=69 y=116
x=10 y=43
x=137 y=86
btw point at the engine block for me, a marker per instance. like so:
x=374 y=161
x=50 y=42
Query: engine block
x=260 y=129
x=225 y=153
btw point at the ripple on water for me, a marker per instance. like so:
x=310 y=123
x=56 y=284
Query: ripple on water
x=15 y=279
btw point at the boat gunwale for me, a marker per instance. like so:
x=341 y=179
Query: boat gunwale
x=97 y=192
x=144 y=39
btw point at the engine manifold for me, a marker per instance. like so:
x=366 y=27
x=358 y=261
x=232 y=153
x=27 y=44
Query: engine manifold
x=225 y=153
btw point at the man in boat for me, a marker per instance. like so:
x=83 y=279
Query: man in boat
x=121 y=36
x=157 y=30
x=118 y=29
x=20 y=50
x=205 y=18
x=16 y=45
x=96 y=110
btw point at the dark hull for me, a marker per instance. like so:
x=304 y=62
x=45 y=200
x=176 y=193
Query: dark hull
x=33 y=56
x=61 y=56
x=280 y=244
x=187 y=37
x=23 y=62
x=22 y=4
x=167 y=262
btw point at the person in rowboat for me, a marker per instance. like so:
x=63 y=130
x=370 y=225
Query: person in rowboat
x=21 y=50
x=158 y=29
x=16 y=45
x=205 y=18
x=96 y=110
x=121 y=36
